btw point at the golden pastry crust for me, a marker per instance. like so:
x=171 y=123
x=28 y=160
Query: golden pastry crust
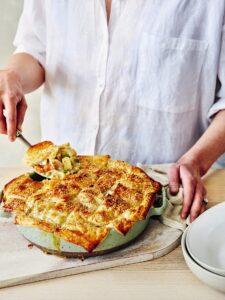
x=39 y=152
x=83 y=207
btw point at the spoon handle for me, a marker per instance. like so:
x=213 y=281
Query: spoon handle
x=22 y=138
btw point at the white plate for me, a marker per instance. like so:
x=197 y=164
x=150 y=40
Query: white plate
x=211 y=279
x=206 y=239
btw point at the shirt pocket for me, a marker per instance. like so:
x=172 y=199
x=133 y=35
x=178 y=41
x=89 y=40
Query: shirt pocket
x=168 y=73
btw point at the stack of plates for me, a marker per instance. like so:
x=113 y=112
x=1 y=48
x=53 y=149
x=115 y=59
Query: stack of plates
x=203 y=246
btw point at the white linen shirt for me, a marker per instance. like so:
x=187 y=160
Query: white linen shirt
x=141 y=88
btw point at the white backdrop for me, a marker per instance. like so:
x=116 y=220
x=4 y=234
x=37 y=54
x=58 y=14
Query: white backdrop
x=11 y=153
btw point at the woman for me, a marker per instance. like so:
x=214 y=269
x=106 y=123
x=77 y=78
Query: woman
x=140 y=80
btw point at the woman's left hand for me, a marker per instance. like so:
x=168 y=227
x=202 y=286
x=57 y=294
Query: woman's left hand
x=188 y=173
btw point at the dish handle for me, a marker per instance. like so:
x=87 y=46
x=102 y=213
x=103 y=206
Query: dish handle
x=157 y=211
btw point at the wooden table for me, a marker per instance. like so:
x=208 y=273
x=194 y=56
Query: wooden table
x=165 y=278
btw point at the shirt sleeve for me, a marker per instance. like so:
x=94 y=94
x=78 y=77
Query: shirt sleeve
x=31 y=32
x=219 y=103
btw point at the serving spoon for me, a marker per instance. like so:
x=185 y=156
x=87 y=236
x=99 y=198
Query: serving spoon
x=28 y=144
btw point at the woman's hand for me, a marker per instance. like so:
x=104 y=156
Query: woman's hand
x=188 y=173
x=12 y=102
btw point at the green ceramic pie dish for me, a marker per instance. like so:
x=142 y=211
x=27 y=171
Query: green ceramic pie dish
x=52 y=244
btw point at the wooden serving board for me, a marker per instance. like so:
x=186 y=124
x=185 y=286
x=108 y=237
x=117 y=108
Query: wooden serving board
x=21 y=264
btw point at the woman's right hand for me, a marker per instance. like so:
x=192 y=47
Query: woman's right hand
x=13 y=105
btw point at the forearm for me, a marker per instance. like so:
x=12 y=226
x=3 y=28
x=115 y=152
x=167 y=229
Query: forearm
x=31 y=74
x=210 y=146
x=22 y=75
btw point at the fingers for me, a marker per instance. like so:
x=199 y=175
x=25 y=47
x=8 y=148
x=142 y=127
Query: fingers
x=11 y=100
x=3 y=129
x=14 y=116
x=203 y=208
x=174 y=179
x=21 y=110
x=189 y=185
x=11 y=117
x=193 y=189
x=198 y=203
